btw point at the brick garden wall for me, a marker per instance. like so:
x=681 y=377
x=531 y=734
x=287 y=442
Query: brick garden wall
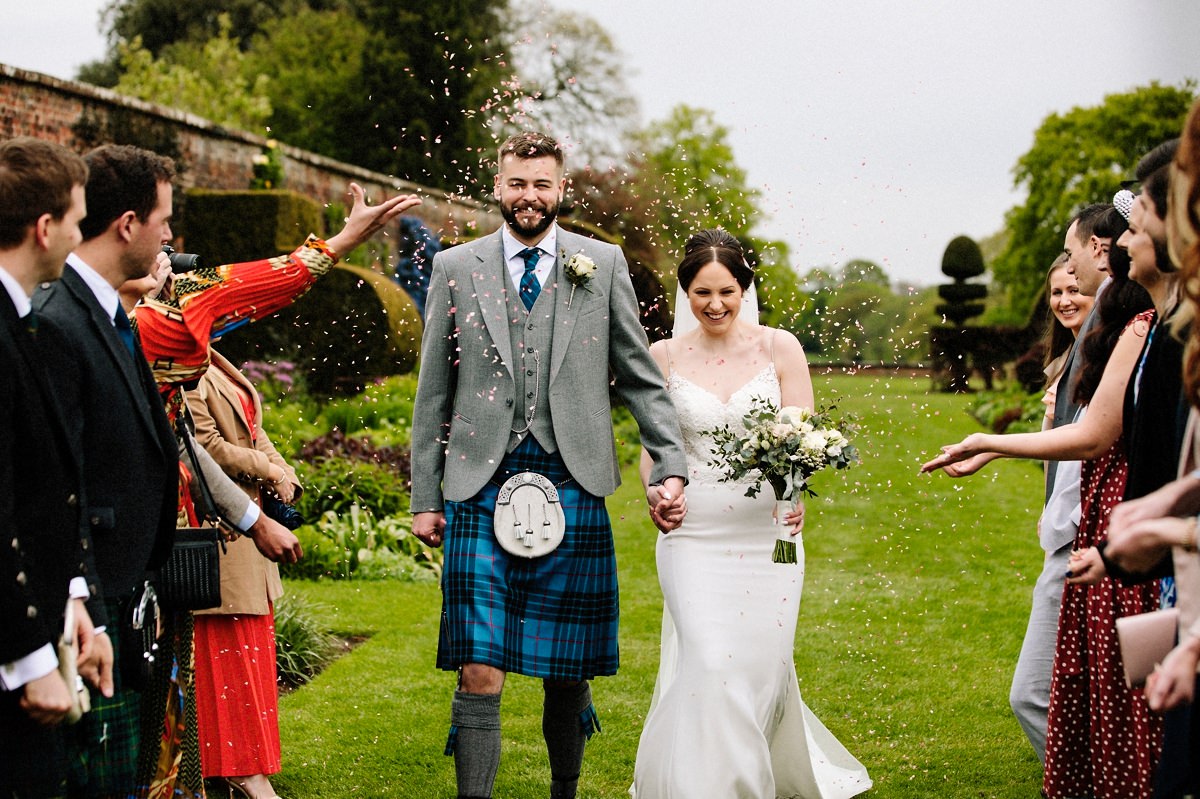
x=81 y=116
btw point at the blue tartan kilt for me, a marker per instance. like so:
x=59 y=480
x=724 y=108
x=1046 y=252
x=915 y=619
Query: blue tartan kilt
x=553 y=617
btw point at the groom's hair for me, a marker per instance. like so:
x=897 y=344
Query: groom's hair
x=532 y=144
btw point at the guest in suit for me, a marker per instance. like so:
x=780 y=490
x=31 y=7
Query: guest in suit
x=523 y=329
x=48 y=564
x=236 y=693
x=129 y=450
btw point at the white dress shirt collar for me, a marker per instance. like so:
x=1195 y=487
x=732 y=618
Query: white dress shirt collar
x=16 y=292
x=106 y=295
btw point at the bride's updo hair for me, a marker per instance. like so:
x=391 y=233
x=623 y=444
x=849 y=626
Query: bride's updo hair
x=707 y=246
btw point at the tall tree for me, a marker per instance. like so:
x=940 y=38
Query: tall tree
x=568 y=79
x=207 y=79
x=1078 y=158
x=427 y=73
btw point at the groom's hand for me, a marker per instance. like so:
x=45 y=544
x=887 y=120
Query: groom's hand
x=429 y=526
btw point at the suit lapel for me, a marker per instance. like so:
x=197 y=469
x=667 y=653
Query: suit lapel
x=564 y=317
x=489 y=276
x=139 y=382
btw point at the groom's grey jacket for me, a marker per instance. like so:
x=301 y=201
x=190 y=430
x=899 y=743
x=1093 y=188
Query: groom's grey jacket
x=463 y=415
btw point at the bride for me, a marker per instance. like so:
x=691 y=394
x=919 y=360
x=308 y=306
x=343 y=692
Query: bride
x=727 y=720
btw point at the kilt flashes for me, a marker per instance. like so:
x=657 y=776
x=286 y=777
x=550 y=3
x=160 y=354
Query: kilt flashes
x=553 y=617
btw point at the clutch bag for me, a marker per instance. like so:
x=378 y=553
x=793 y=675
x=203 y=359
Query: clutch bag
x=1145 y=640
x=68 y=651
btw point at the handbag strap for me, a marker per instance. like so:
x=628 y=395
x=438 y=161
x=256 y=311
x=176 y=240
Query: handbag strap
x=210 y=506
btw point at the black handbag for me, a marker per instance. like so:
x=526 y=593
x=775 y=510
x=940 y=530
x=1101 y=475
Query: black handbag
x=191 y=577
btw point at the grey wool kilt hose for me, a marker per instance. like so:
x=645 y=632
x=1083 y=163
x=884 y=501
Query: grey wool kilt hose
x=553 y=617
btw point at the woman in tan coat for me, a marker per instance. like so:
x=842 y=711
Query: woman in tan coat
x=236 y=691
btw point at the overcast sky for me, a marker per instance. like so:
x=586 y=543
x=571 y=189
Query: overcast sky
x=875 y=130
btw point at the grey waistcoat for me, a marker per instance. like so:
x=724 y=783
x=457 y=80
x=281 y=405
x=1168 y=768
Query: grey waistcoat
x=532 y=380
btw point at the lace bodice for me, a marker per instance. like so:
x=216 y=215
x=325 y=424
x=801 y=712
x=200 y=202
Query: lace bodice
x=700 y=410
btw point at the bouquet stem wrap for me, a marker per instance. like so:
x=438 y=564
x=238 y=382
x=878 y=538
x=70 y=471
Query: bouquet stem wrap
x=785 y=542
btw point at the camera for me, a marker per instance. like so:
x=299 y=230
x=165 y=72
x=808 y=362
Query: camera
x=181 y=261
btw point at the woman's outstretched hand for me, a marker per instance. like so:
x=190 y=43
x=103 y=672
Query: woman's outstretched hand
x=972 y=445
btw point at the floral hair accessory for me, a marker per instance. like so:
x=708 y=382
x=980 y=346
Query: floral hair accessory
x=1123 y=201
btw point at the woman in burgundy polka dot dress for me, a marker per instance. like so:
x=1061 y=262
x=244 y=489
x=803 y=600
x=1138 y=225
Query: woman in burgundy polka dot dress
x=1102 y=741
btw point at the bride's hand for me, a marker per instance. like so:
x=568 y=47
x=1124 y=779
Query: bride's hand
x=794 y=519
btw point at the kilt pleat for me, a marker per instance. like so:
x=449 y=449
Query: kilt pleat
x=553 y=617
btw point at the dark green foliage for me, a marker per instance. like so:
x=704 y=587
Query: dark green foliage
x=321 y=556
x=226 y=227
x=333 y=484
x=962 y=259
x=1079 y=157
x=962 y=292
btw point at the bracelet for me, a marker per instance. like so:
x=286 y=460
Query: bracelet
x=1188 y=544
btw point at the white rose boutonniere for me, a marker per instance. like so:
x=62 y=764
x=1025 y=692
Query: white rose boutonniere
x=579 y=270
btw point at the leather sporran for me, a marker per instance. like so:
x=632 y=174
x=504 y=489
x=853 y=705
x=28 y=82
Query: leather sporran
x=529 y=521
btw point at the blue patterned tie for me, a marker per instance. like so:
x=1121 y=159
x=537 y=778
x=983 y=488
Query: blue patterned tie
x=530 y=287
x=124 y=330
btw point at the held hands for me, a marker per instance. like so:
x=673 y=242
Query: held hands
x=966 y=450
x=668 y=504
x=430 y=527
x=366 y=220
x=1085 y=567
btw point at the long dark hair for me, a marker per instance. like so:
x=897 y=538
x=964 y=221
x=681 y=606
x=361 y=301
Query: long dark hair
x=1119 y=301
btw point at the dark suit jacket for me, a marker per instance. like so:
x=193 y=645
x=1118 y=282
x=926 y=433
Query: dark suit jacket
x=131 y=465
x=39 y=496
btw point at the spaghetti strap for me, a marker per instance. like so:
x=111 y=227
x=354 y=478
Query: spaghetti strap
x=667 y=347
x=771 y=346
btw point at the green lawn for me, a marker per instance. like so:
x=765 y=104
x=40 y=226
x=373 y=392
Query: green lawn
x=915 y=602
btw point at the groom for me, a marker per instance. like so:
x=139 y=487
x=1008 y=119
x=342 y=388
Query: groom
x=523 y=330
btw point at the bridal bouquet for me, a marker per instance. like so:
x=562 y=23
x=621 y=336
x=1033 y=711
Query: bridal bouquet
x=785 y=447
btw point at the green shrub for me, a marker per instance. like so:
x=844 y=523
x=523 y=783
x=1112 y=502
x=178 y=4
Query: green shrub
x=334 y=484
x=357 y=545
x=1008 y=411
x=303 y=644
x=320 y=558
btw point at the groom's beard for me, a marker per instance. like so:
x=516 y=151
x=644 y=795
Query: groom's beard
x=529 y=231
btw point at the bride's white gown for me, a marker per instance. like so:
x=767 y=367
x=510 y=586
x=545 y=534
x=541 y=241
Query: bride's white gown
x=727 y=720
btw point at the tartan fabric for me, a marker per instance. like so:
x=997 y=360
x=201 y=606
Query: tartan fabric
x=553 y=617
x=102 y=749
